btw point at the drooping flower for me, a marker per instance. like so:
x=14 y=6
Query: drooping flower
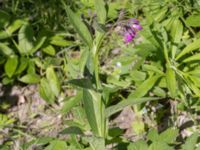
x=130 y=29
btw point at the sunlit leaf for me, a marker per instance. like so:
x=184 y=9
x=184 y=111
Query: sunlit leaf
x=30 y=78
x=193 y=20
x=25 y=39
x=189 y=48
x=53 y=80
x=11 y=66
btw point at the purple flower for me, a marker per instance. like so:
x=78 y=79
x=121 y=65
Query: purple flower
x=131 y=29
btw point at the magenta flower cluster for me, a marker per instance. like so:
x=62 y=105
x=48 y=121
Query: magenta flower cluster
x=131 y=29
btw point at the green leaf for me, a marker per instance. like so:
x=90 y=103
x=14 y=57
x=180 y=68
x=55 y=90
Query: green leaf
x=176 y=31
x=193 y=20
x=49 y=49
x=79 y=26
x=23 y=63
x=138 y=145
x=159 y=146
x=96 y=143
x=194 y=57
x=153 y=135
x=30 y=78
x=171 y=81
x=71 y=102
x=15 y=25
x=100 y=10
x=189 y=48
x=38 y=44
x=53 y=80
x=11 y=66
x=94 y=109
x=3 y=35
x=57 y=145
x=176 y=34
x=45 y=91
x=5 y=18
x=60 y=41
x=190 y=142
x=169 y=136
x=152 y=68
x=84 y=57
x=82 y=83
x=130 y=101
x=5 y=50
x=145 y=87
x=72 y=130
x=25 y=39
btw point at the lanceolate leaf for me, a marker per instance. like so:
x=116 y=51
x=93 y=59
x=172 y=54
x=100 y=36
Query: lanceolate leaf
x=130 y=101
x=71 y=102
x=79 y=26
x=171 y=81
x=94 y=109
x=176 y=33
x=194 y=57
x=145 y=87
x=100 y=10
x=38 y=44
x=45 y=91
x=191 y=47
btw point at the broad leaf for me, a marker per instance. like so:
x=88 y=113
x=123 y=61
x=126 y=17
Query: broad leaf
x=96 y=143
x=25 y=39
x=11 y=66
x=169 y=136
x=160 y=146
x=193 y=20
x=138 y=145
x=190 y=142
x=57 y=145
x=49 y=49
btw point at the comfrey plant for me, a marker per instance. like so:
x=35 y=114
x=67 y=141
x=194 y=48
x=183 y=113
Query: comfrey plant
x=95 y=94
